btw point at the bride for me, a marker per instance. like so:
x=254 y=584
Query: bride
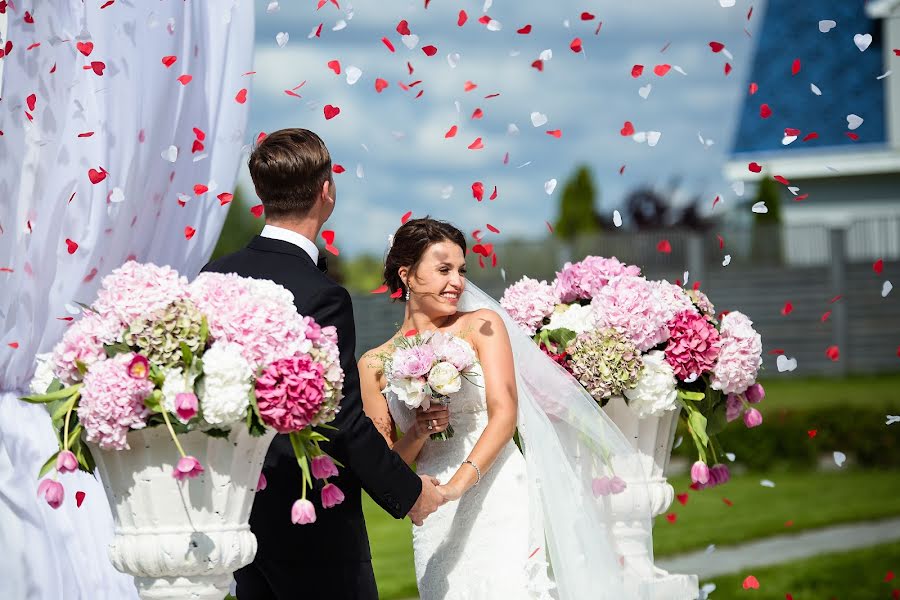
x=516 y=525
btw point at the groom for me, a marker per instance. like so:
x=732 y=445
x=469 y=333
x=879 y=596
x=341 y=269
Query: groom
x=291 y=171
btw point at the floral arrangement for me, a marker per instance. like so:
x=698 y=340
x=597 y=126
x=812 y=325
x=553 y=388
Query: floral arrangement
x=429 y=367
x=661 y=347
x=220 y=352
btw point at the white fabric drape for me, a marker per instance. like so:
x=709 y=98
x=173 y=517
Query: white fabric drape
x=136 y=109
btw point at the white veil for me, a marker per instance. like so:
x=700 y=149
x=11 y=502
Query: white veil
x=568 y=441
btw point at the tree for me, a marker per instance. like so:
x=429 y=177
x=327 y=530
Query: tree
x=576 y=209
x=767 y=246
x=239 y=228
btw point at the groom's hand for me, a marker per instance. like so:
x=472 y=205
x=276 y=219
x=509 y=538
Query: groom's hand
x=429 y=500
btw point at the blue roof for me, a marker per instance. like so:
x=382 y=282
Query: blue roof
x=831 y=61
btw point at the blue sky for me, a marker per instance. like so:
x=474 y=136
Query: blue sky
x=398 y=143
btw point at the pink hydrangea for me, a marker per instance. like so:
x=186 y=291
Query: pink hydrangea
x=289 y=393
x=630 y=306
x=135 y=289
x=411 y=362
x=584 y=279
x=693 y=345
x=83 y=342
x=112 y=402
x=674 y=299
x=740 y=357
x=266 y=325
x=529 y=302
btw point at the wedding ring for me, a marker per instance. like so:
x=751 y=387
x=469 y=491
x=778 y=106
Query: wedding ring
x=430 y=426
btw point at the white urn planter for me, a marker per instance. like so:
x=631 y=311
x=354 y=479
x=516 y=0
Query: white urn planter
x=652 y=437
x=182 y=539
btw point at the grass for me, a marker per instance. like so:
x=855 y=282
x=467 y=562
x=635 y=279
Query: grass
x=808 y=394
x=859 y=574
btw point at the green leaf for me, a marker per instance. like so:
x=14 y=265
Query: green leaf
x=51 y=462
x=116 y=349
x=187 y=355
x=157 y=376
x=85 y=458
x=82 y=368
x=61 y=394
x=60 y=411
x=204 y=334
x=563 y=337
x=695 y=396
x=154 y=401
x=255 y=425
x=698 y=426
x=717 y=420
x=216 y=433
x=74 y=435
x=55 y=386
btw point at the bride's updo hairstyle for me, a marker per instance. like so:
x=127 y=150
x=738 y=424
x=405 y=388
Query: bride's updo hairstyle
x=410 y=242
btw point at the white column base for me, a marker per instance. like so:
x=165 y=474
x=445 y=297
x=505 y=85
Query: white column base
x=197 y=587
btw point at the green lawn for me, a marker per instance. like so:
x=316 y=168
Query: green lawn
x=805 y=394
x=808 y=500
x=856 y=575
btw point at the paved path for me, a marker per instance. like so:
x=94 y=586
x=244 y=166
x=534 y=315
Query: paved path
x=782 y=548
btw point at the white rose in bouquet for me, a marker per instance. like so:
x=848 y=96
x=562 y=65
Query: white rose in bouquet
x=444 y=379
x=409 y=391
x=43 y=373
x=225 y=387
x=655 y=391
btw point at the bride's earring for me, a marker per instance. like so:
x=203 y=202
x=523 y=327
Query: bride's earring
x=407 y=293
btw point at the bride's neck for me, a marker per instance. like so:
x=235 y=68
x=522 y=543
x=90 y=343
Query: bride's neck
x=422 y=322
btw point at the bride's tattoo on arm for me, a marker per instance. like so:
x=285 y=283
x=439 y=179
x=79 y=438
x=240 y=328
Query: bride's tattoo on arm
x=385 y=426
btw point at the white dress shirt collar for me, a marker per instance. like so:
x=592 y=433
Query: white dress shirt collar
x=280 y=233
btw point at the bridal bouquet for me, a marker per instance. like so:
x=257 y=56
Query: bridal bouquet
x=660 y=346
x=222 y=351
x=427 y=368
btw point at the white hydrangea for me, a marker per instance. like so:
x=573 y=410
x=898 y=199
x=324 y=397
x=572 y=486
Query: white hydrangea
x=43 y=373
x=655 y=391
x=269 y=290
x=225 y=387
x=575 y=317
x=176 y=382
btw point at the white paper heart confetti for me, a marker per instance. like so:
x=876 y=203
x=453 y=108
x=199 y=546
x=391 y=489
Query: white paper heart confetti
x=282 y=39
x=644 y=92
x=410 y=41
x=738 y=187
x=653 y=137
x=73 y=309
x=815 y=89
x=494 y=25
x=272 y=7
x=453 y=59
x=546 y=55
x=886 y=288
x=170 y=154
x=538 y=119
x=854 y=121
x=726 y=3
x=760 y=208
x=890 y=420
x=767 y=483
x=617 y=218
x=360 y=173
x=788 y=140
x=512 y=129
x=446 y=192
x=353 y=74
x=862 y=41
x=341 y=24
x=839 y=458
x=727 y=260
x=793 y=189
x=549 y=186
x=827 y=25
x=783 y=363
x=116 y=195
x=730 y=456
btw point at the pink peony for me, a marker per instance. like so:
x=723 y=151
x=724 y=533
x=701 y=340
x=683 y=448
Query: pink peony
x=289 y=393
x=188 y=467
x=303 y=512
x=740 y=356
x=584 y=279
x=134 y=290
x=323 y=467
x=52 y=491
x=83 y=342
x=700 y=472
x=529 y=302
x=411 y=362
x=693 y=345
x=66 y=462
x=452 y=349
x=630 y=306
x=331 y=496
x=112 y=402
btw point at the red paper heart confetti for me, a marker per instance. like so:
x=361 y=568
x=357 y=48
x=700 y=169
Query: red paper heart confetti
x=478 y=191
x=200 y=189
x=97 y=67
x=338 y=169
x=493 y=194
x=795 y=67
x=429 y=50
x=682 y=498
x=825 y=315
x=789 y=523
x=168 y=61
x=225 y=198
x=196 y=146
x=671 y=517
x=751 y=583
x=586 y=16
x=781 y=180
x=380 y=290
x=557 y=133
x=31 y=101
x=469 y=86
x=79 y=498
x=811 y=136
x=575 y=45
x=380 y=84
x=13 y=345
x=538 y=64
x=812 y=433
x=753 y=88
x=185 y=79
x=189 y=232
x=765 y=111
x=833 y=352
x=397 y=294
x=524 y=30
x=787 y=309
x=331 y=112
x=71 y=246
x=627 y=129
x=388 y=43
x=754 y=167
x=889 y=576
x=637 y=71
x=852 y=136
x=716 y=46
x=878 y=266
x=257 y=211
x=462 y=18
x=664 y=246
x=661 y=70
x=476 y=145
x=403 y=27
x=492 y=229
x=28 y=17
x=241 y=96
x=897 y=51
x=484 y=19
x=333 y=249
x=335 y=65
x=727 y=502
x=96 y=176
x=406 y=216
x=328 y=236
x=85 y=47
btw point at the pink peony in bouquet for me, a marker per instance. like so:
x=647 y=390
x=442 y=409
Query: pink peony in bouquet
x=220 y=352
x=654 y=343
x=426 y=368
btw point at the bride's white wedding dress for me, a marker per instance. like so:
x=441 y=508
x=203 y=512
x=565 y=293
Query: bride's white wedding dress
x=475 y=548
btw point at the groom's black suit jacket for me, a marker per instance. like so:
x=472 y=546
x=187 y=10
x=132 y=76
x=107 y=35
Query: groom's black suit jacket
x=334 y=551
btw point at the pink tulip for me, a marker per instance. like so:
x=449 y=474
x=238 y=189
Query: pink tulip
x=752 y=418
x=303 y=512
x=66 y=462
x=187 y=467
x=52 y=491
x=139 y=367
x=733 y=407
x=323 y=467
x=331 y=495
x=600 y=486
x=755 y=393
x=186 y=405
x=719 y=474
x=261 y=485
x=617 y=485
x=700 y=473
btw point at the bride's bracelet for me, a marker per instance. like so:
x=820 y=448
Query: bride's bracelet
x=477 y=470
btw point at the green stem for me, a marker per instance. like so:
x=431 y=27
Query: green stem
x=66 y=428
x=165 y=415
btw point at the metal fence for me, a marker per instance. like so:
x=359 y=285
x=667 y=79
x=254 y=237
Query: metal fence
x=826 y=274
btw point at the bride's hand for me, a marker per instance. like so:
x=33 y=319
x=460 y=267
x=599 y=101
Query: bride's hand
x=450 y=492
x=438 y=416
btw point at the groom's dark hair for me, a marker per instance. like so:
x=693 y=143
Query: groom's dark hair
x=289 y=168
x=411 y=241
